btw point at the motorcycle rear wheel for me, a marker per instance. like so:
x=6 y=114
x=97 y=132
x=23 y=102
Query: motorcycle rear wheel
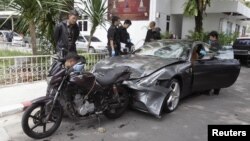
x=37 y=121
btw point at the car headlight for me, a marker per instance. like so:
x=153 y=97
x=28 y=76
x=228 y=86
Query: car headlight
x=151 y=80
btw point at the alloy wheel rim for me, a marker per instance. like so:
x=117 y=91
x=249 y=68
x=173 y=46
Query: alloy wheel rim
x=173 y=99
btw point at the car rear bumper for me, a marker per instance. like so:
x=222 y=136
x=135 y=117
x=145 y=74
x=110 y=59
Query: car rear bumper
x=241 y=52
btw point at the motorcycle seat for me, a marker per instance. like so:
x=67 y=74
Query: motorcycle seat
x=107 y=77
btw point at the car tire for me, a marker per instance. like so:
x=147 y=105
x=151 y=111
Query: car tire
x=91 y=50
x=248 y=61
x=216 y=91
x=172 y=100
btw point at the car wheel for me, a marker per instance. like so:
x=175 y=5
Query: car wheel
x=248 y=61
x=91 y=50
x=172 y=100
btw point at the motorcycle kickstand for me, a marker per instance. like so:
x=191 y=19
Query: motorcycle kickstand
x=99 y=119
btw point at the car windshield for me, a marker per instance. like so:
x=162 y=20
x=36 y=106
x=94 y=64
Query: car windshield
x=94 y=39
x=166 y=49
x=242 y=42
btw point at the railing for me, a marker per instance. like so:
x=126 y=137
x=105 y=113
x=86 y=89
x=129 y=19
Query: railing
x=24 y=69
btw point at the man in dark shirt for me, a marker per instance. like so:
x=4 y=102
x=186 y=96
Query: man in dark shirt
x=124 y=35
x=153 y=33
x=66 y=34
x=214 y=43
x=113 y=37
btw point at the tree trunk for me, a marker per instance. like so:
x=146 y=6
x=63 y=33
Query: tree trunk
x=198 y=22
x=199 y=17
x=32 y=29
x=91 y=35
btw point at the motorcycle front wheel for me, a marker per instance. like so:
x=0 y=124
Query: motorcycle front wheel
x=119 y=105
x=33 y=121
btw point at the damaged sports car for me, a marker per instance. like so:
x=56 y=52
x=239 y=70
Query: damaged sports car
x=163 y=72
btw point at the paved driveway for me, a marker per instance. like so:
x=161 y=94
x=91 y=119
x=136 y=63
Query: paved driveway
x=188 y=123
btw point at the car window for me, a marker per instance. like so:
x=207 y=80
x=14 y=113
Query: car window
x=94 y=39
x=242 y=42
x=81 y=39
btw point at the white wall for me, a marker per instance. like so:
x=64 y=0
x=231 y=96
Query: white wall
x=163 y=7
x=176 y=25
x=212 y=22
x=187 y=25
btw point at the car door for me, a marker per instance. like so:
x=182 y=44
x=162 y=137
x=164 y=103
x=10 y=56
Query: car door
x=213 y=72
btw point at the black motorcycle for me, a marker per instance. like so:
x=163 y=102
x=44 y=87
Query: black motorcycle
x=80 y=95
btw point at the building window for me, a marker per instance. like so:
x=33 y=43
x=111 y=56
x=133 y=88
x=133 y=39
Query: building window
x=80 y=25
x=167 y=23
x=83 y=25
x=237 y=28
x=229 y=27
x=243 y=31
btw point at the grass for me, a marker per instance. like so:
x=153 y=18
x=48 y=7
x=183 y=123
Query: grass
x=5 y=53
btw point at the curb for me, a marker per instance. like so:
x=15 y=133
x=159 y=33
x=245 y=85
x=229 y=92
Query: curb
x=13 y=109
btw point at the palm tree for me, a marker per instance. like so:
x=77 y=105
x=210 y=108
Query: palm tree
x=49 y=18
x=38 y=15
x=196 y=8
x=247 y=3
x=29 y=14
x=96 y=10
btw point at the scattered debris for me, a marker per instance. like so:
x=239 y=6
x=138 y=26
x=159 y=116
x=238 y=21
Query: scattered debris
x=70 y=134
x=77 y=123
x=72 y=129
x=101 y=130
x=122 y=125
x=91 y=126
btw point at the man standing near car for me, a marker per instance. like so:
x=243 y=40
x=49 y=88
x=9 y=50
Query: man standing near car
x=66 y=34
x=113 y=37
x=124 y=35
x=213 y=41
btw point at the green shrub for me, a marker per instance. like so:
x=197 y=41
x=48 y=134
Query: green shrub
x=4 y=53
x=196 y=36
x=224 y=39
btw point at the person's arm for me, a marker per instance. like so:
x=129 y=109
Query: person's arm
x=158 y=35
x=215 y=46
x=77 y=33
x=112 y=38
x=57 y=33
x=147 y=39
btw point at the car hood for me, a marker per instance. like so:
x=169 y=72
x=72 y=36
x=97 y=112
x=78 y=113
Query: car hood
x=139 y=65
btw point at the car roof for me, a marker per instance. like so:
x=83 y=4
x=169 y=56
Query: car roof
x=243 y=38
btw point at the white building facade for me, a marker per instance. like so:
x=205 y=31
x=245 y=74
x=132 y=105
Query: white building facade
x=226 y=16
